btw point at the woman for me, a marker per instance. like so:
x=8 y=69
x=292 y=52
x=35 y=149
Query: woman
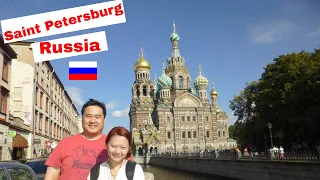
x=117 y=167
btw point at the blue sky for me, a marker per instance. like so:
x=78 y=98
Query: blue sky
x=234 y=40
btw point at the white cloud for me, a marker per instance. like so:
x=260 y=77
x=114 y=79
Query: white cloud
x=272 y=31
x=75 y=95
x=121 y=114
x=314 y=33
x=111 y=104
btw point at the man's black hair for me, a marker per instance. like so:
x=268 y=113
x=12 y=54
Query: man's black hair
x=93 y=102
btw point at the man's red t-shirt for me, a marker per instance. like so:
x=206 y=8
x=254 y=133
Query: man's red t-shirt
x=75 y=156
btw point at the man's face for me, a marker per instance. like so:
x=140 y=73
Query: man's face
x=93 y=120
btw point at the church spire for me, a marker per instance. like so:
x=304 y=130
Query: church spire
x=163 y=68
x=174 y=38
x=141 y=55
x=199 y=67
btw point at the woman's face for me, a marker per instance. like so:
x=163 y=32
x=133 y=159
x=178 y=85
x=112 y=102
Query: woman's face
x=118 y=148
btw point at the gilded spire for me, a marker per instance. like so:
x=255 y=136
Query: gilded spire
x=199 y=66
x=212 y=84
x=141 y=55
x=163 y=68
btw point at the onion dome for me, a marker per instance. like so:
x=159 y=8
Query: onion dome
x=142 y=63
x=174 y=36
x=213 y=92
x=200 y=82
x=164 y=79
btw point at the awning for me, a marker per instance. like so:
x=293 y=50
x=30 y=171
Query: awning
x=19 y=142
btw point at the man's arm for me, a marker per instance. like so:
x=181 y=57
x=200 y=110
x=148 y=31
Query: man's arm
x=52 y=173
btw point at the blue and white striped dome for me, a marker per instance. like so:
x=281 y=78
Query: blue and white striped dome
x=164 y=80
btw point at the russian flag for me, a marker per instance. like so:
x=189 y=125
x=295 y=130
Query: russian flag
x=83 y=70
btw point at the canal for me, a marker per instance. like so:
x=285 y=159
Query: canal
x=163 y=173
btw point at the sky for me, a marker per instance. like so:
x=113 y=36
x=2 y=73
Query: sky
x=233 y=40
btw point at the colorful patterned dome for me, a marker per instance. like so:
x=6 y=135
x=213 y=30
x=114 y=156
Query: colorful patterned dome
x=174 y=37
x=164 y=80
x=200 y=81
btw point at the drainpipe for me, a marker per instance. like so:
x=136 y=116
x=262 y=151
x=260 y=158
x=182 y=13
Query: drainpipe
x=33 y=111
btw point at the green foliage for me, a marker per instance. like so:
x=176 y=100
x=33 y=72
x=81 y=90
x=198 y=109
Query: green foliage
x=287 y=95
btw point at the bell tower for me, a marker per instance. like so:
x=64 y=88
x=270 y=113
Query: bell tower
x=142 y=94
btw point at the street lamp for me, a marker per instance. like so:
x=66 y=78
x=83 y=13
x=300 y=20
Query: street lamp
x=270 y=126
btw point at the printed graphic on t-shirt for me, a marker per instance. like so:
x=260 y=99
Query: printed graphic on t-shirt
x=84 y=158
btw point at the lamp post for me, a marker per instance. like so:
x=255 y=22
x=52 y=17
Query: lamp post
x=270 y=127
x=184 y=147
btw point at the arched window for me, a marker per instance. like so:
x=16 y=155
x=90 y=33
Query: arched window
x=138 y=91
x=224 y=134
x=180 y=82
x=219 y=134
x=172 y=86
x=144 y=91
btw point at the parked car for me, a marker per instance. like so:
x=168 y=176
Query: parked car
x=16 y=171
x=38 y=166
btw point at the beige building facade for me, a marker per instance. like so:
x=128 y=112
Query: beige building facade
x=41 y=101
x=169 y=115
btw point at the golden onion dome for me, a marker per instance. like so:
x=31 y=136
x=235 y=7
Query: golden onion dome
x=142 y=64
x=213 y=93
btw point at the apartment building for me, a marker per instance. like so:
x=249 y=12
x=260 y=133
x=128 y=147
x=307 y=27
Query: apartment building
x=6 y=56
x=41 y=100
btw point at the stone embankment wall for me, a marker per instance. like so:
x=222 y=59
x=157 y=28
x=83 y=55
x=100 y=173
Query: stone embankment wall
x=242 y=169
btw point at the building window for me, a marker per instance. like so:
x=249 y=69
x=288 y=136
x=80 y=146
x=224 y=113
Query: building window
x=168 y=119
x=47 y=104
x=208 y=134
x=207 y=118
x=224 y=134
x=194 y=134
x=48 y=74
x=180 y=82
x=183 y=134
x=182 y=118
x=37 y=76
x=41 y=96
x=37 y=96
x=188 y=118
x=40 y=121
x=172 y=86
x=46 y=125
x=5 y=71
x=4 y=98
x=42 y=83
x=193 y=118
x=219 y=134
x=169 y=135
x=144 y=91
x=189 y=134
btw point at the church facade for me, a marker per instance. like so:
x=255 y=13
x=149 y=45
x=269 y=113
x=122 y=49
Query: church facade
x=168 y=115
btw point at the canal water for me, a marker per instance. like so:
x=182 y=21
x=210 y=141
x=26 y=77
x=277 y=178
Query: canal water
x=161 y=173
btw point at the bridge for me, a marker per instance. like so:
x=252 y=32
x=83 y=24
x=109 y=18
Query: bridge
x=268 y=165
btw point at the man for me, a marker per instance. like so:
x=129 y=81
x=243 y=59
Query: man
x=74 y=156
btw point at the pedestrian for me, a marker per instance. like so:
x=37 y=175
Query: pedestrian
x=117 y=167
x=74 y=156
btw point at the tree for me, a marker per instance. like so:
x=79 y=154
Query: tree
x=287 y=95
